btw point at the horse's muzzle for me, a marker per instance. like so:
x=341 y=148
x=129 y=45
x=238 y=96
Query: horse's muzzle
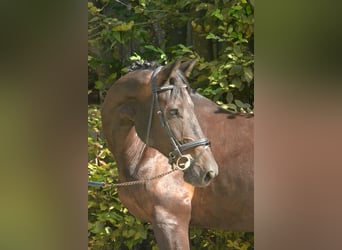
x=201 y=173
x=209 y=176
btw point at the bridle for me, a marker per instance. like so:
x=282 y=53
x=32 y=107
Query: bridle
x=176 y=157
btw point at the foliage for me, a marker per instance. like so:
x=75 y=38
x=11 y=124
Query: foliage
x=218 y=239
x=228 y=77
x=220 y=34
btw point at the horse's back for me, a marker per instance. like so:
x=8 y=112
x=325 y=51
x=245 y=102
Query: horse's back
x=228 y=202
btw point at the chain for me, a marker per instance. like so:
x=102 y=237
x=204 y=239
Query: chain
x=130 y=183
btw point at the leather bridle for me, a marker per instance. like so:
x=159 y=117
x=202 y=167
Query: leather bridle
x=176 y=157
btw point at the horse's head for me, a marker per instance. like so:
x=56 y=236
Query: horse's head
x=167 y=122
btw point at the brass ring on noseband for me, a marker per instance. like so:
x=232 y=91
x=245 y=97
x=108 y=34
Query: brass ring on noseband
x=183 y=162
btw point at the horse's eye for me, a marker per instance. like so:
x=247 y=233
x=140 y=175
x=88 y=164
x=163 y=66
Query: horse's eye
x=173 y=112
x=172 y=81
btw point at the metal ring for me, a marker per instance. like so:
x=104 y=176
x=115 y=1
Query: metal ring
x=183 y=162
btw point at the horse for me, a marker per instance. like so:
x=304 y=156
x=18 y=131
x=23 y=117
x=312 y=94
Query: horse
x=211 y=186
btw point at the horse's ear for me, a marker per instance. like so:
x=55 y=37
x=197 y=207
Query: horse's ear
x=187 y=67
x=168 y=71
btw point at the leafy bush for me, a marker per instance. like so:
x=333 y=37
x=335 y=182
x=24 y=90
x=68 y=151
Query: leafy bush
x=220 y=34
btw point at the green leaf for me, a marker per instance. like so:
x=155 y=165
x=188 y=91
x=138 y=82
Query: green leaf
x=98 y=85
x=98 y=227
x=230 y=29
x=103 y=206
x=231 y=106
x=136 y=57
x=117 y=36
x=131 y=232
x=248 y=10
x=237 y=51
x=202 y=78
x=239 y=103
x=94 y=19
x=202 y=6
x=237 y=7
x=213 y=36
x=123 y=26
x=111 y=77
x=235 y=70
x=248 y=74
x=237 y=82
x=217 y=13
x=229 y=97
x=232 y=56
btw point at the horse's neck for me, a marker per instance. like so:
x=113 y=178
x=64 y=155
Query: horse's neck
x=118 y=120
x=201 y=100
x=128 y=150
x=133 y=147
x=118 y=128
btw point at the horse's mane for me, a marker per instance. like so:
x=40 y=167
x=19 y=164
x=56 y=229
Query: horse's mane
x=138 y=65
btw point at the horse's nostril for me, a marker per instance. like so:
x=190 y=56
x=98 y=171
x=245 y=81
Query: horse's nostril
x=209 y=175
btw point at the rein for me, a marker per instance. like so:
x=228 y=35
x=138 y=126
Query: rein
x=128 y=183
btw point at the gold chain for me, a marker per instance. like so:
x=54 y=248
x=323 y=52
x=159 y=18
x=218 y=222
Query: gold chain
x=130 y=183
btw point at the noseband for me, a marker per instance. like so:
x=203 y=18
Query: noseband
x=176 y=156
